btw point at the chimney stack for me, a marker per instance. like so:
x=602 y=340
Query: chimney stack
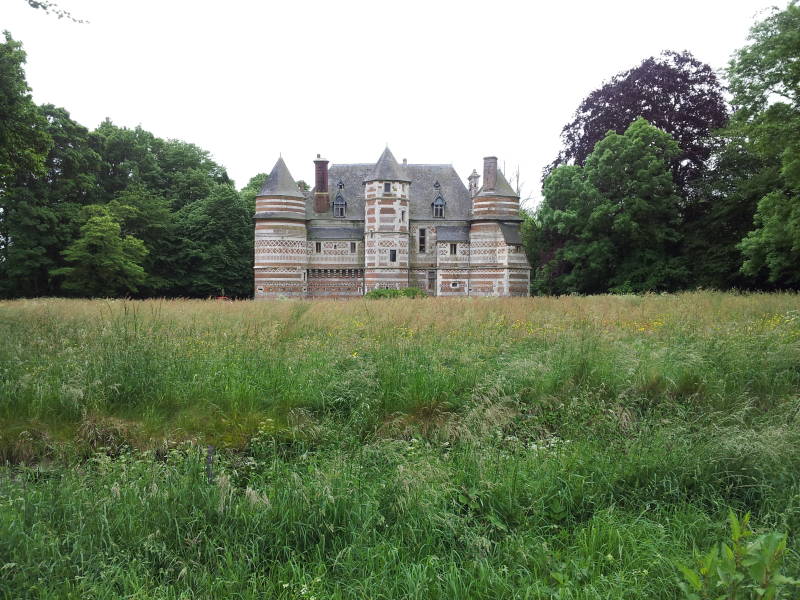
x=321 y=197
x=489 y=173
x=473 y=183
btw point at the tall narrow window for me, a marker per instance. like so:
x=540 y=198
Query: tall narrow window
x=392 y=255
x=453 y=249
x=387 y=187
x=318 y=247
x=352 y=247
x=422 y=235
x=402 y=216
x=438 y=208
x=339 y=207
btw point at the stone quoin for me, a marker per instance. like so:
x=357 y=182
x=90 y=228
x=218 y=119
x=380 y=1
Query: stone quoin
x=387 y=225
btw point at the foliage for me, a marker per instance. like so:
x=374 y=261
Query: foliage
x=102 y=261
x=216 y=253
x=252 y=189
x=765 y=81
x=23 y=140
x=43 y=212
x=51 y=8
x=740 y=570
x=409 y=292
x=613 y=223
x=673 y=91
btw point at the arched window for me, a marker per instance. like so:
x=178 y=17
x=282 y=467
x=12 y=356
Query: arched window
x=339 y=206
x=438 y=207
x=438 y=204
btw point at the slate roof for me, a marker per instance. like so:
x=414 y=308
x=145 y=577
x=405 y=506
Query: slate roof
x=422 y=177
x=452 y=233
x=501 y=188
x=387 y=169
x=511 y=233
x=335 y=233
x=280 y=182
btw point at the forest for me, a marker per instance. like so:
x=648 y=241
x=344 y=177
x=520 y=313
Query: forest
x=670 y=177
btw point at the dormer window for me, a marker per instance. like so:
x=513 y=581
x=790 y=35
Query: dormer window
x=438 y=207
x=387 y=188
x=339 y=207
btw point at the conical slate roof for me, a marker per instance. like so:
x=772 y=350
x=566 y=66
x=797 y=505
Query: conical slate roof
x=502 y=187
x=387 y=169
x=280 y=182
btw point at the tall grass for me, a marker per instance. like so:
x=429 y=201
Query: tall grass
x=498 y=448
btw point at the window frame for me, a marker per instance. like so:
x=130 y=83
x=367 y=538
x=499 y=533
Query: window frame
x=453 y=249
x=318 y=247
x=393 y=255
x=422 y=240
x=387 y=187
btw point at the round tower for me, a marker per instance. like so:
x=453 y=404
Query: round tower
x=280 y=237
x=386 y=217
x=498 y=263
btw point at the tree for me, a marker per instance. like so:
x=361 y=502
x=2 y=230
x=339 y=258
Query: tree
x=612 y=224
x=103 y=262
x=217 y=244
x=765 y=81
x=674 y=92
x=24 y=143
x=251 y=190
x=41 y=213
x=146 y=215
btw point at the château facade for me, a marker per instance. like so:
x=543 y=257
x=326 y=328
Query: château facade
x=386 y=225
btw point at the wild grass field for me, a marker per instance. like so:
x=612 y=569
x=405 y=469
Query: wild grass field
x=428 y=448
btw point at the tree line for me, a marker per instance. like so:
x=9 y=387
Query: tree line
x=663 y=185
x=114 y=211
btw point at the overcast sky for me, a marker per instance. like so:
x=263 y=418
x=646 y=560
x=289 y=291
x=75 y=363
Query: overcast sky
x=440 y=82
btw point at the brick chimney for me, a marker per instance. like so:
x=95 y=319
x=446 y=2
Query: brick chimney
x=321 y=197
x=489 y=173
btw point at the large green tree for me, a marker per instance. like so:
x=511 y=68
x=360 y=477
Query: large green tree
x=612 y=224
x=102 y=262
x=217 y=244
x=23 y=138
x=765 y=80
x=42 y=213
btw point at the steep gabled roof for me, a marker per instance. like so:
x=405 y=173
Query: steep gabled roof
x=387 y=169
x=280 y=182
x=422 y=192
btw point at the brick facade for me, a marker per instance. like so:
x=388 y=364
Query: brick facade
x=386 y=225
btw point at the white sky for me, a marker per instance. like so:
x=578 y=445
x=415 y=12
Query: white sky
x=440 y=81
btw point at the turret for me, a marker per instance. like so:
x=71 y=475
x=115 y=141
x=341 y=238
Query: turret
x=386 y=207
x=500 y=268
x=280 y=236
x=496 y=197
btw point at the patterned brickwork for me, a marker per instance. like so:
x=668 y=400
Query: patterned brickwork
x=476 y=256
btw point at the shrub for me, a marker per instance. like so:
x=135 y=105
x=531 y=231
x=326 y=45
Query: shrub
x=741 y=570
x=411 y=292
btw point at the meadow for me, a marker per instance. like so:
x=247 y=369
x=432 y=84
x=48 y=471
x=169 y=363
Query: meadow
x=574 y=447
